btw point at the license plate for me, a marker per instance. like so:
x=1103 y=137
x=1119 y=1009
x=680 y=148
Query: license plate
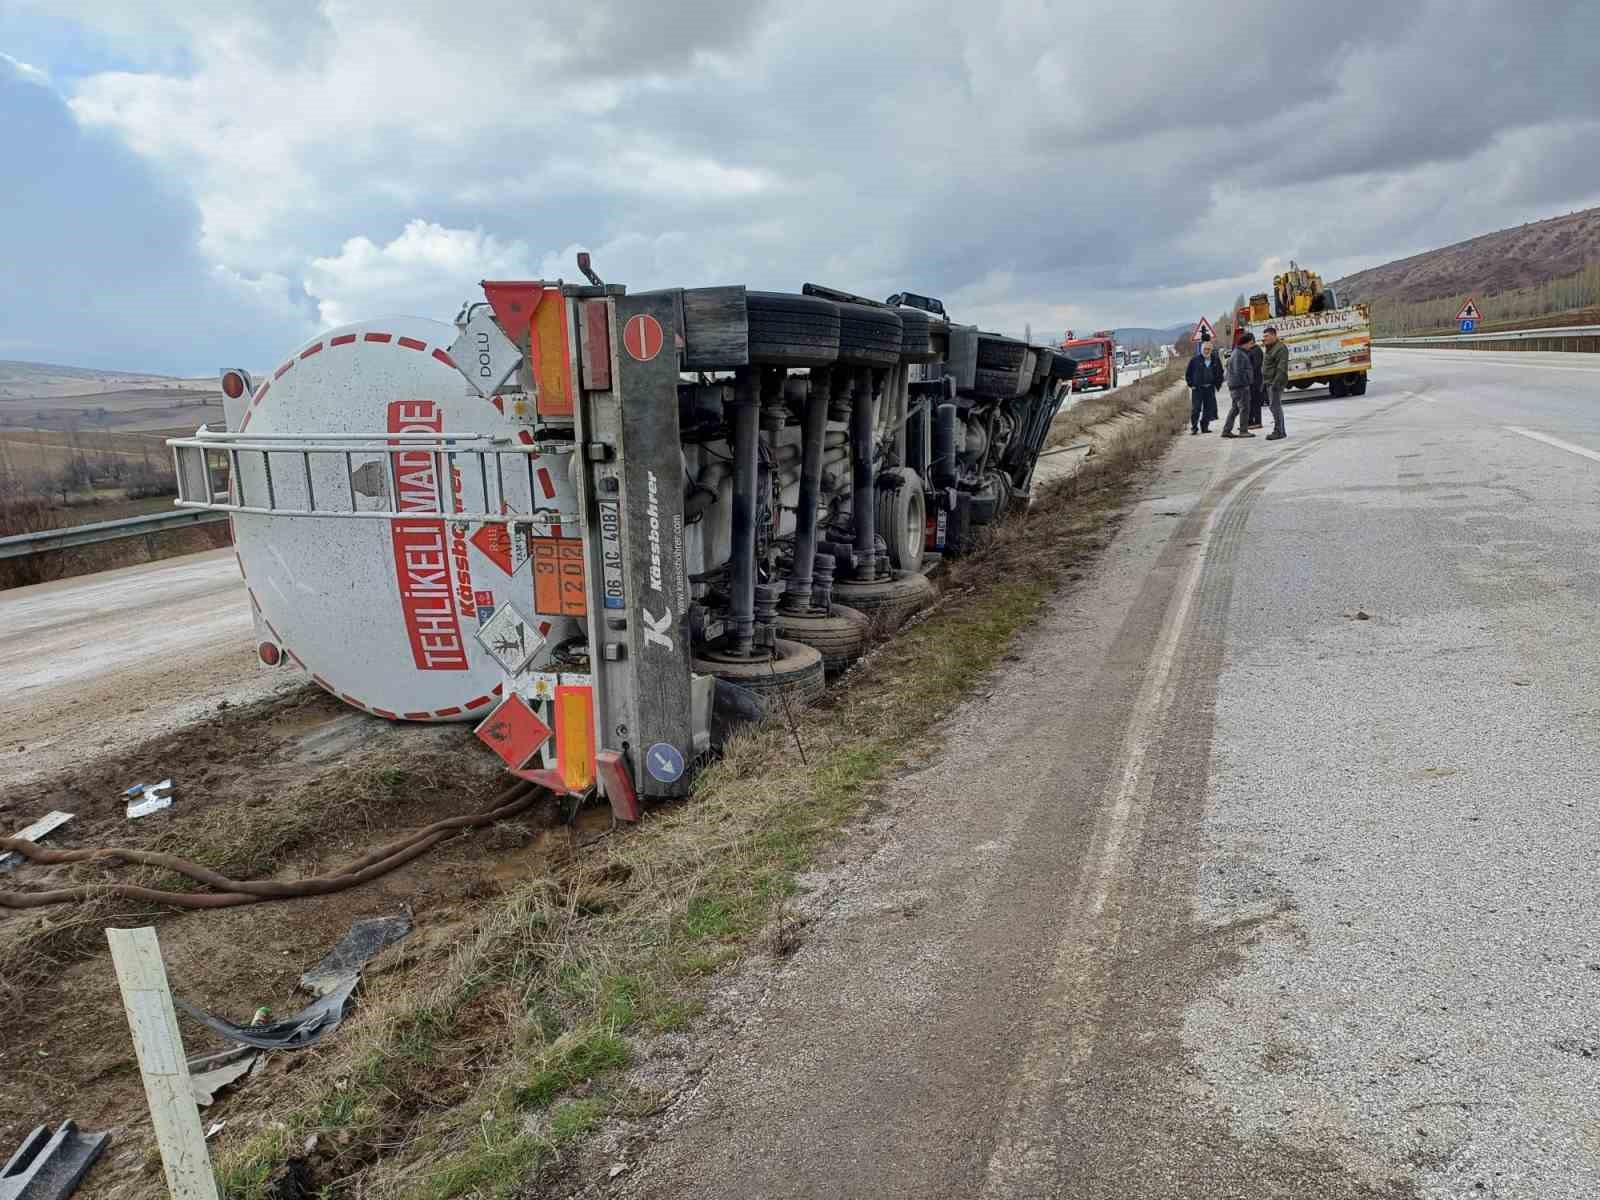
x=611 y=553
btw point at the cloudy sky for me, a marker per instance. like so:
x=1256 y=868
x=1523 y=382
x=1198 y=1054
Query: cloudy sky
x=190 y=182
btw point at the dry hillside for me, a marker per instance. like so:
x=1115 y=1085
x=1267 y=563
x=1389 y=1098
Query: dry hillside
x=1495 y=262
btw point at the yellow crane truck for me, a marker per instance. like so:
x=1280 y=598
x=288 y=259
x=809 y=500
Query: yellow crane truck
x=1328 y=342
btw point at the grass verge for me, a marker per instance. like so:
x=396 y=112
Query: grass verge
x=470 y=1078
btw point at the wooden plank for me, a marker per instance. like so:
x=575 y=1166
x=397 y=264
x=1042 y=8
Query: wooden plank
x=716 y=329
x=48 y=823
x=148 y=1003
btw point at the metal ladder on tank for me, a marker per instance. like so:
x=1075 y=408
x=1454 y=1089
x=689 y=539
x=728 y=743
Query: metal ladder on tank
x=278 y=476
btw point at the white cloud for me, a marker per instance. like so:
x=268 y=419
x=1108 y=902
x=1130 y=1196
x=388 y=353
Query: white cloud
x=388 y=158
x=26 y=71
x=427 y=268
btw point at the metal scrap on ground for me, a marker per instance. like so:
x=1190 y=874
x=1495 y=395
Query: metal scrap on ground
x=50 y=1166
x=147 y=798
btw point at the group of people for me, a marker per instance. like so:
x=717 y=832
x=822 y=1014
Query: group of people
x=1256 y=375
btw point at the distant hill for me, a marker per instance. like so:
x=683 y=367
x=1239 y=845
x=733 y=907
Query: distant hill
x=1143 y=335
x=51 y=396
x=1523 y=257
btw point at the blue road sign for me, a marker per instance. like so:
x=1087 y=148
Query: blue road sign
x=1468 y=326
x=664 y=762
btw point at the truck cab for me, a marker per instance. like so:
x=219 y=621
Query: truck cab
x=1096 y=357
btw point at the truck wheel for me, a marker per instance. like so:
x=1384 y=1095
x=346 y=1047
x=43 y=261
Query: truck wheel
x=1002 y=353
x=868 y=336
x=793 y=673
x=839 y=637
x=902 y=518
x=999 y=383
x=916 y=336
x=887 y=602
x=1359 y=388
x=1043 y=364
x=1336 y=387
x=792 y=331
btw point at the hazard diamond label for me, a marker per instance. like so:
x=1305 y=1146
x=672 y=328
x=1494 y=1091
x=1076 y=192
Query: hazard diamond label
x=1469 y=311
x=514 y=731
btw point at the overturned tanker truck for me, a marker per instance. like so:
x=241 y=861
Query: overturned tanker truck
x=602 y=524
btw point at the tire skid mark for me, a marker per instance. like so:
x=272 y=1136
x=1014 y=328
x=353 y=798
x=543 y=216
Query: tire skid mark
x=1156 y=788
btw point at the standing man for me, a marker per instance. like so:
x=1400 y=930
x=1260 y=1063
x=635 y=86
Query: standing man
x=1275 y=374
x=1204 y=377
x=1258 y=387
x=1241 y=378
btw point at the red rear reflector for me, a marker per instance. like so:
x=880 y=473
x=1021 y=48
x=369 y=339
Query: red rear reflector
x=596 y=346
x=618 y=785
x=232 y=385
x=269 y=654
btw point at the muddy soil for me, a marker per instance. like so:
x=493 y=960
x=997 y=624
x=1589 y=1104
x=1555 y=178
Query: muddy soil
x=284 y=788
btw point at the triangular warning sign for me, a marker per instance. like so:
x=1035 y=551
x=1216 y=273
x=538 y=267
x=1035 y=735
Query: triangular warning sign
x=1202 y=329
x=1469 y=311
x=500 y=548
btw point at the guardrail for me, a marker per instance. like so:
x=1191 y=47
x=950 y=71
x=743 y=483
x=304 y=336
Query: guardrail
x=23 y=544
x=1583 y=339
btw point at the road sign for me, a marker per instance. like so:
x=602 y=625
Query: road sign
x=1469 y=311
x=1203 y=330
x=1468 y=325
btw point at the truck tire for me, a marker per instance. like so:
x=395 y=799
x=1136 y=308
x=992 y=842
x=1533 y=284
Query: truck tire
x=1336 y=387
x=902 y=517
x=997 y=383
x=793 y=674
x=1000 y=352
x=792 y=331
x=839 y=637
x=868 y=336
x=888 y=603
x=916 y=336
x=1359 y=388
x=1043 y=364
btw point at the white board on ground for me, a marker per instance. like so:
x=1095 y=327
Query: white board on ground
x=146 y=999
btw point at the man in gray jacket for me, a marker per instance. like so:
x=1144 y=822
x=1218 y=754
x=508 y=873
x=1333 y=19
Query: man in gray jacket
x=1241 y=376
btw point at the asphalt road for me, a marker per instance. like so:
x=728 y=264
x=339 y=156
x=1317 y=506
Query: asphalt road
x=105 y=660
x=1271 y=868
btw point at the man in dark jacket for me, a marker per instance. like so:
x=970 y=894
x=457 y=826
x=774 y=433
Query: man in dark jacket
x=1275 y=374
x=1258 y=389
x=1204 y=377
x=1241 y=378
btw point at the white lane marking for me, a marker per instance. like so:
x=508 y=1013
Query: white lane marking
x=1554 y=441
x=1026 y=1152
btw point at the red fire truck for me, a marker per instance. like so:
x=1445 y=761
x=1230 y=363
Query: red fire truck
x=1096 y=357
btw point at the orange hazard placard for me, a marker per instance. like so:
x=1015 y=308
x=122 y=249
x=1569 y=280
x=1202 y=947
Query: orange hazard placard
x=558 y=577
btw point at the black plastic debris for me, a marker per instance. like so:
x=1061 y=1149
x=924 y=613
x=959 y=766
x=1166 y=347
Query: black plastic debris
x=363 y=943
x=305 y=1028
x=50 y=1166
x=333 y=981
